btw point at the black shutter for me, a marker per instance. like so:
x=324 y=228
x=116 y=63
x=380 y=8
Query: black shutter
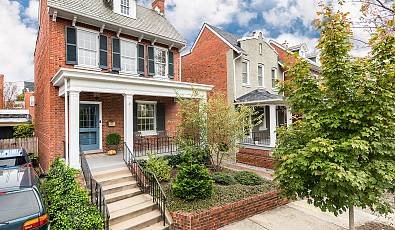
x=151 y=61
x=116 y=54
x=267 y=117
x=135 y=128
x=103 y=59
x=71 y=46
x=160 y=117
x=171 y=65
x=141 y=59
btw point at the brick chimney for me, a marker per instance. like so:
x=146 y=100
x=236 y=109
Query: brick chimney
x=159 y=6
x=1 y=91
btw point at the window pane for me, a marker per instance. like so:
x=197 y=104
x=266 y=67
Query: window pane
x=128 y=56
x=87 y=48
x=160 y=62
x=146 y=117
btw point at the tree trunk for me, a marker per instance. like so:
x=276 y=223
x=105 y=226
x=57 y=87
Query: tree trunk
x=351 y=218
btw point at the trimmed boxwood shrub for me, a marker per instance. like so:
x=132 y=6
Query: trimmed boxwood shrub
x=193 y=182
x=223 y=178
x=159 y=167
x=68 y=203
x=248 y=178
x=174 y=160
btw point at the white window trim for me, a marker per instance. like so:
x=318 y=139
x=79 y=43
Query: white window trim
x=263 y=127
x=88 y=67
x=152 y=132
x=275 y=77
x=123 y=71
x=166 y=65
x=120 y=8
x=260 y=48
x=263 y=75
x=31 y=101
x=248 y=73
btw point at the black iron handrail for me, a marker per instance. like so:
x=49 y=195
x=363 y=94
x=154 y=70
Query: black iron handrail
x=146 y=181
x=95 y=191
x=257 y=138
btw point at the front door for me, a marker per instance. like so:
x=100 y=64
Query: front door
x=89 y=127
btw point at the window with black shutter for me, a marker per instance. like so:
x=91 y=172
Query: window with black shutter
x=141 y=59
x=171 y=65
x=71 y=46
x=116 y=54
x=160 y=117
x=103 y=60
x=151 y=61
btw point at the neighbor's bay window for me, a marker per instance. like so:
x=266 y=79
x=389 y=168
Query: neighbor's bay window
x=88 y=46
x=128 y=56
x=146 y=117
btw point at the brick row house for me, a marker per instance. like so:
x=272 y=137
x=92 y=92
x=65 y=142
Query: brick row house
x=245 y=69
x=101 y=67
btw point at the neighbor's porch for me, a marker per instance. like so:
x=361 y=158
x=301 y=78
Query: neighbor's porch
x=143 y=111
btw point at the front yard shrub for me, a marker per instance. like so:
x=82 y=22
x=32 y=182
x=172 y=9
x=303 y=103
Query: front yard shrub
x=174 y=160
x=158 y=166
x=191 y=153
x=193 y=182
x=68 y=203
x=223 y=178
x=248 y=178
x=24 y=130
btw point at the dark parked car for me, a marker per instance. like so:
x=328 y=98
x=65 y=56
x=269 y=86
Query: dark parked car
x=21 y=204
x=14 y=158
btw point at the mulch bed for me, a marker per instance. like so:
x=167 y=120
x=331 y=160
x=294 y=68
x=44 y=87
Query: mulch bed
x=375 y=226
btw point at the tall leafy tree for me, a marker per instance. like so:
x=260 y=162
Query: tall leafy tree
x=341 y=153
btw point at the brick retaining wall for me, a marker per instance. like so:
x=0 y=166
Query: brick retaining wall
x=255 y=157
x=217 y=217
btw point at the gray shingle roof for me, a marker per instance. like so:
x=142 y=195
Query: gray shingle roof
x=231 y=38
x=147 y=19
x=258 y=95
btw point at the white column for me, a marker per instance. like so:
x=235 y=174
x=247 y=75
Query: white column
x=273 y=125
x=128 y=120
x=289 y=116
x=74 y=129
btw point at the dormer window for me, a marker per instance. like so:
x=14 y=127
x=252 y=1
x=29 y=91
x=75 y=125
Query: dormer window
x=125 y=7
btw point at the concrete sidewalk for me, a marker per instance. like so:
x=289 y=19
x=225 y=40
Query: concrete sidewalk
x=300 y=215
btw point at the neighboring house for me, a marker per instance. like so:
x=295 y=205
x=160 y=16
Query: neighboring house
x=11 y=118
x=29 y=103
x=105 y=67
x=245 y=69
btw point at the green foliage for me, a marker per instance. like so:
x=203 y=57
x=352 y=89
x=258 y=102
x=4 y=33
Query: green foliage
x=223 y=178
x=341 y=153
x=216 y=124
x=193 y=182
x=20 y=97
x=248 y=178
x=24 y=130
x=174 y=160
x=113 y=139
x=68 y=203
x=192 y=153
x=159 y=167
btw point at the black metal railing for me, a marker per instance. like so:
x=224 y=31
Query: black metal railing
x=146 y=181
x=95 y=191
x=257 y=138
x=154 y=144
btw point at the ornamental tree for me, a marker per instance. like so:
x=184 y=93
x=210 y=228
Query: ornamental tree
x=341 y=153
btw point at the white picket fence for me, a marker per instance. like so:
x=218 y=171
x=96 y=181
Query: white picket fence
x=29 y=143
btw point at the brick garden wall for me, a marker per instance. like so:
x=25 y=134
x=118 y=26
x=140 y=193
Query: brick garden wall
x=220 y=216
x=255 y=157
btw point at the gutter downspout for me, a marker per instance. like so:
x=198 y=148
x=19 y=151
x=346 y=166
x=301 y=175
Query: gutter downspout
x=66 y=121
x=234 y=75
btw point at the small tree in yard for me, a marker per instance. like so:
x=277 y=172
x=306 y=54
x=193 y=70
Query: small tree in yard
x=216 y=123
x=341 y=154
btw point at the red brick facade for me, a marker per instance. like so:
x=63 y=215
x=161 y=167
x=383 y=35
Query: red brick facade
x=1 y=91
x=220 y=216
x=255 y=157
x=50 y=56
x=207 y=63
x=160 y=4
x=29 y=107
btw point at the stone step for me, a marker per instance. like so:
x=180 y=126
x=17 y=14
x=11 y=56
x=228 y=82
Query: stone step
x=112 y=188
x=116 y=196
x=113 y=171
x=157 y=226
x=113 y=179
x=131 y=212
x=138 y=222
x=128 y=202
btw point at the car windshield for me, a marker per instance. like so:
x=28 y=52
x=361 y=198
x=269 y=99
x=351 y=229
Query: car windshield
x=17 y=205
x=12 y=161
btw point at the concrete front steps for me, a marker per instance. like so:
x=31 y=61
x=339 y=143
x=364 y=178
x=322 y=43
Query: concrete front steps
x=129 y=208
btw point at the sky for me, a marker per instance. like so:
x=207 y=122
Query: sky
x=281 y=20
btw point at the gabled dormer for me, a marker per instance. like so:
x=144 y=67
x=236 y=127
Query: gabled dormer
x=125 y=7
